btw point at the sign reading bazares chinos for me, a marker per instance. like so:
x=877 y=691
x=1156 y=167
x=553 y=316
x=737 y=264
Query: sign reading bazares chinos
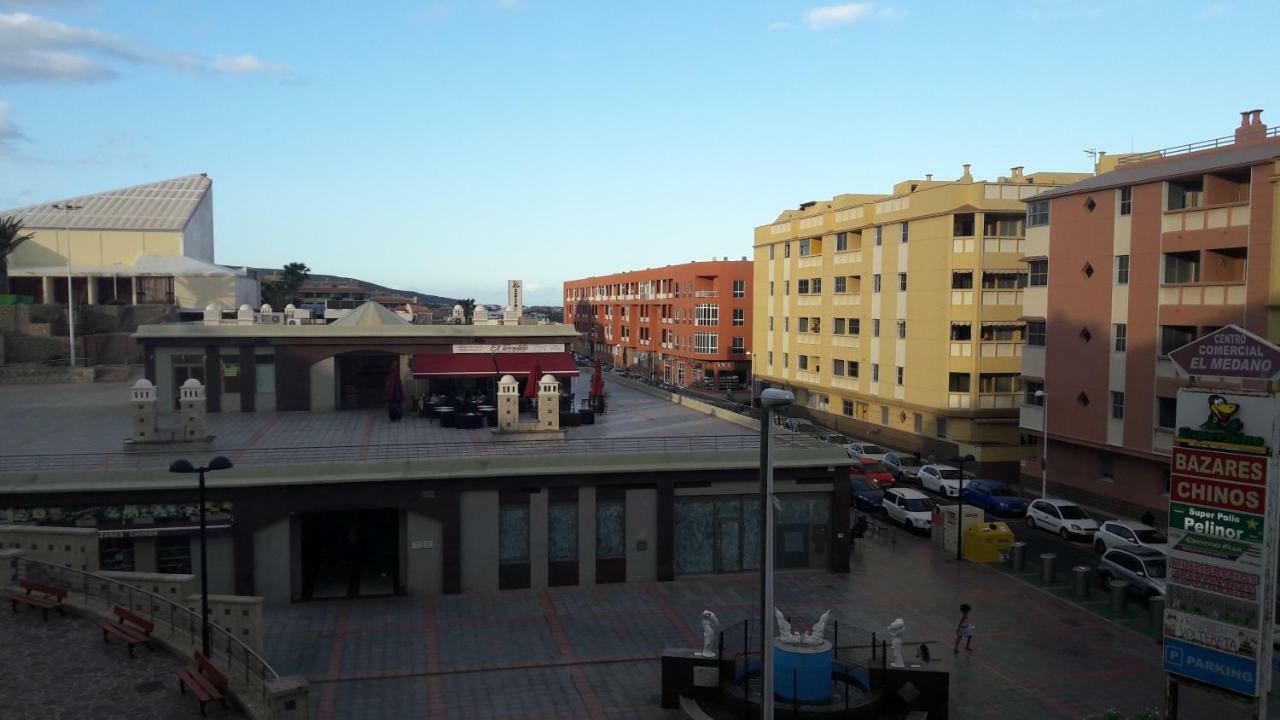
x=1221 y=575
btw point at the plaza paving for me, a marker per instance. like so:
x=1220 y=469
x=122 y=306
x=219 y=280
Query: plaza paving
x=592 y=652
x=62 y=669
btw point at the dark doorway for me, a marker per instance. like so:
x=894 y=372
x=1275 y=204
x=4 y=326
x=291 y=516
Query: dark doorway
x=362 y=380
x=350 y=553
x=792 y=545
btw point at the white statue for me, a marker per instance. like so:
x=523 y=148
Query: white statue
x=709 y=624
x=895 y=631
x=814 y=636
x=785 y=634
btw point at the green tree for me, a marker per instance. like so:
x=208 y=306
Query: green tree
x=284 y=288
x=468 y=310
x=10 y=238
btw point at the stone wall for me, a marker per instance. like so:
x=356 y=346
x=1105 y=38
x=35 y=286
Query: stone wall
x=240 y=615
x=172 y=587
x=44 y=375
x=29 y=348
x=66 y=546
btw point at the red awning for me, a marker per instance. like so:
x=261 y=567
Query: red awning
x=521 y=363
x=463 y=365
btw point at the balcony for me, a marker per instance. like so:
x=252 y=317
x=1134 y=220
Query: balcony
x=1203 y=294
x=961 y=348
x=1214 y=218
x=809 y=300
x=844 y=383
x=846 y=299
x=706 y=293
x=1001 y=297
x=808 y=339
x=988 y=401
x=667 y=346
x=1002 y=245
x=847 y=258
x=1001 y=349
x=846 y=341
x=961 y=297
x=808 y=376
x=963 y=245
x=809 y=262
x=959 y=400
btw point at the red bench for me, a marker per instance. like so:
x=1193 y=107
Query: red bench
x=204 y=681
x=137 y=632
x=49 y=597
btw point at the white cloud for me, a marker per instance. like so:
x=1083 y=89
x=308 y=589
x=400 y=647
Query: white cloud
x=825 y=16
x=249 y=65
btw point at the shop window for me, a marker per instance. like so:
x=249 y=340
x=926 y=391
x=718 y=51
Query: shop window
x=562 y=531
x=173 y=554
x=611 y=530
x=513 y=533
x=116 y=554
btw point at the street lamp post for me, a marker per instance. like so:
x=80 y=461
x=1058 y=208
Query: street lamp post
x=960 y=460
x=1044 y=449
x=185 y=466
x=67 y=209
x=770 y=399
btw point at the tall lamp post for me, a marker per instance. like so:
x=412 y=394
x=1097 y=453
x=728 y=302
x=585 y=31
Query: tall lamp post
x=1044 y=449
x=960 y=460
x=770 y=399
x=185 y=467
x=67 y=209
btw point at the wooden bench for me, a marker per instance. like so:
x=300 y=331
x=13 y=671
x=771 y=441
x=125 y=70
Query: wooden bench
x=136 y=632
x=49 y=597
x=204 y=681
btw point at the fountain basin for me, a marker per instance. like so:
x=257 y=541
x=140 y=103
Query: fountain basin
x=802 y=673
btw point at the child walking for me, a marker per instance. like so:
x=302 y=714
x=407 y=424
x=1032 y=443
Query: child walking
x=964 y=629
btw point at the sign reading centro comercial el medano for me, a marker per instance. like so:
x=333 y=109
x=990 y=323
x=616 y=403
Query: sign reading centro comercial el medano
x=1219 y=616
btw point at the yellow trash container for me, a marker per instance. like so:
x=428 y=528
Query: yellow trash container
x=987 y=542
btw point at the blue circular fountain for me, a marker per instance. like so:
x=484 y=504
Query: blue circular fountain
x=802 y=673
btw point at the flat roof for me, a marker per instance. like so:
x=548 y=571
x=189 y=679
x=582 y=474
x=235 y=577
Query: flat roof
x=198 y=330
x=65 y=438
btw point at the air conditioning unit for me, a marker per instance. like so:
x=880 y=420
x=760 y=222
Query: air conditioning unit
x=293 y=321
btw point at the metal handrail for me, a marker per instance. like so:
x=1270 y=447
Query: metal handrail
x=400 y=451
x=1190 y=147
x=180 y=622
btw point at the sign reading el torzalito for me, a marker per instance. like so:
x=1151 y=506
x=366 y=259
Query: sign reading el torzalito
x=1229 y=351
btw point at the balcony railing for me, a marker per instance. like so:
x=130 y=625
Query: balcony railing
x=1001 y=297
x=808 y=262
x=1206 y=218
x=961 y=297
x=808 y=338
x=963 y=245
x=846 y=299
x=846 y=341
x=1001 y=349
x=1002 y=244
x=809 y=300
x=959 y=400
x=999 y=400
x=847 y=258
x=961 y=348
x=1203 y=294
x=1190 y=147
x=706 y=293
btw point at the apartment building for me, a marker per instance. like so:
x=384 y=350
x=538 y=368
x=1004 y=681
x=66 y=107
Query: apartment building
x=1151 y=253
x=686 y=324
x=898 y=317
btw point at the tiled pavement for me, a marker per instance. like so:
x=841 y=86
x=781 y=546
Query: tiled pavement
x=62 y=669
x=592 y=652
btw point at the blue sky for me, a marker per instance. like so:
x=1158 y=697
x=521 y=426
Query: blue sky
x=447 y=146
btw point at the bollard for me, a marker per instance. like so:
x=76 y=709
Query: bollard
x=1082 y=580
x=1019 y=556
x=1119 y=596
x=1155 y=609
x=1047 y=569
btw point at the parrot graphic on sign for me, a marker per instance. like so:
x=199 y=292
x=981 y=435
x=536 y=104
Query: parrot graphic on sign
x=1221 y=416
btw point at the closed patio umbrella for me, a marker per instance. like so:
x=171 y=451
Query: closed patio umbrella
x=597 y=381
x=531 y=389
x=395 y=392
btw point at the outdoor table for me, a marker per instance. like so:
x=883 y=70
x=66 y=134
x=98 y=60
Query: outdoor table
x=446 y=416
x=469 y=421
x=586 y=417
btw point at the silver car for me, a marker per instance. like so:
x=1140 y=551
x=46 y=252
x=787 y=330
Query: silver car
x=1144 y=569
x=905 y=468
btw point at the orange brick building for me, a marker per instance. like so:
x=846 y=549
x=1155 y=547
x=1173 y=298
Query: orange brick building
x=686 y=324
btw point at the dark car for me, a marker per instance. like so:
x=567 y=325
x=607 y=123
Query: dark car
x=865 y=493
x=995 y=497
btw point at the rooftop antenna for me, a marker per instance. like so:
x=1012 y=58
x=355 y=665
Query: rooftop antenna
x=1093 y=153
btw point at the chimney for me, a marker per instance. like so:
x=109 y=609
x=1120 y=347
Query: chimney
x=966 y=177
x=1251 y=127
x=1016 y=172
x=928 y=177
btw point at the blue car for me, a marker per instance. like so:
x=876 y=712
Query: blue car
x=865 y=493
x=995 y=497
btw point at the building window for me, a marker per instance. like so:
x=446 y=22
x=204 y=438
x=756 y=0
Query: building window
x=1121 y=333
x=739 y=288
x=1035 y=332
x=804 y=248
x=958 y=382
x=842 y=284
x=611 y=529
x=562 y=531
x=875 y=327
x=838 y=326
x=962 y=280
x=771 y=251
x=786 y=287
x=739 y=316
x=879 y=235
x=902 y=329
x=904 y=232
x=173 y=554
x=1166 y=412
x=739 y=346
x=1117 y=405
x=707 y=315
x=1122 y=269
x=770 y=323
x=846 y=407
x=786 y=250
x=1173 y=337
x=962 y=225
x=706 y=343
x=902 y=280
x=815 y=286
x=116 y=554
x=875 y=372
x=786 y=360
x=901 y=374
x=942 y=427
x=961 y=332
x=786 y=323
x=884 y=414
x=875 y=282
x=999 y=383
x=855 y=326
x=1038 y=213
x=1030 y=388
x=837 y=368
x=231 y=373
x=1126 y=200
x=803 y=363
x=802 y=287
x=513 y=533
x=1185 y=194
x=842 y=242
x=770 y=287
x=770 y=358
x=1038 y=273
x=803 y=324
x=1106 y=466
x=264 y=373
x=1182 y=267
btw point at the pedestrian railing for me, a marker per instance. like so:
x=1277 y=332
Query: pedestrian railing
x=175 y=622
x=324 y=454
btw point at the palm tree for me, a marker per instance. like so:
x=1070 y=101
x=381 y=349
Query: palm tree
x=284 y=289
x=10 y=238
x=468 y=310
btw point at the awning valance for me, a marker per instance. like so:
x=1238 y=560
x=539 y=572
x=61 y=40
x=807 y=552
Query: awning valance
x=521 y=363
x=453 y=365
x=491 y=365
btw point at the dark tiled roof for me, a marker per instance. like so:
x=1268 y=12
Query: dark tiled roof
x=1234 y=156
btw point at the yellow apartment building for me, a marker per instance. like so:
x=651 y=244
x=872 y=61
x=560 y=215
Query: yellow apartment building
x=897 y=318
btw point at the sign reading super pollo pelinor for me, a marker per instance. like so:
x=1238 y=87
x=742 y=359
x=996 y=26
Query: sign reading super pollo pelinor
x=1221 y=573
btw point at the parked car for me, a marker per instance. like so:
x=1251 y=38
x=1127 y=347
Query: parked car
x=942 y=479
x=910 y=507
x=1128 y=534
x=904 y=467
x=865 y=493
x=1065 y=518
x=878 y=471
x=859 y=449
x=1143 y=568
x=995 y=497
